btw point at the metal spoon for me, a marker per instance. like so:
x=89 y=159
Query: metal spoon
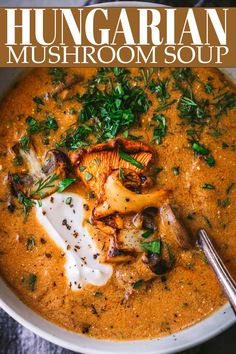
x=225 y=279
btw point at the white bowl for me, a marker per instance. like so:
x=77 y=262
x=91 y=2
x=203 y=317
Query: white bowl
x=194 y=335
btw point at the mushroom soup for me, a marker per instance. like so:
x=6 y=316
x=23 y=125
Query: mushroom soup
x=106 y=176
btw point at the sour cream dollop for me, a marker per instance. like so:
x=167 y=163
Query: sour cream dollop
x=62 y=216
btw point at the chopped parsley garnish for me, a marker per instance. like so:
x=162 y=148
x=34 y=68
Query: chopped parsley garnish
x=160 y=130
x=49 y=123
x=18 y=160
x=108 y=110
x=208 y=186
x=72 y=111
x=24 y=143
x=201 y=150
x=194 y=112
x=160 y=89
x=113 y=109
x=183 y=76
x=98 y=294
x=130 y=159
x=44 y=127
x=65 y=183
x=175 y=170
x=105 y=74
x=147 y=233
x=152 y=246
x=88 y=176
x=38 y=100
x=126 y=135
x=216 y=133
x=210 y=161
x=27 y=203
x=68 y=200
x=119 y=73
x=32 y=281
x=224 y=203
x=191 y=132
x=225 y=103
x=138 y=284
x=58 y=75
x=33 y=126
x=230 y=187
x=76 y=138
x=208 y=87
x=207 y=220
x=225 y=145
x=30 y=243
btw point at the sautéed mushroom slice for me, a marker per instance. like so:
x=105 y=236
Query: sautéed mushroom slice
x=43 y=178
x=122 y=200
x=177 y=229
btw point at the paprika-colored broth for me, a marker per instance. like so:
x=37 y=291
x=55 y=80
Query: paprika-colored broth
x=190 y=124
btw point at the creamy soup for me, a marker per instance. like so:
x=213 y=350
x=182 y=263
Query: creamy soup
x=106 y=176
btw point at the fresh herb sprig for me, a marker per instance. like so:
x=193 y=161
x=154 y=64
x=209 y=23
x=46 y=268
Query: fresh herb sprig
x=130 y=159
x=204 y=152
x=165 y=106
x=208 y=186
x=225 y=103
x=183 y=78
x=58 y=75
x=65 y=183
x=32 y=281
x=192 y=111
x=160 y=131
x=147 y=74
x=27 y=204
x=148 y=233
x=160 y=88
x=43 y=185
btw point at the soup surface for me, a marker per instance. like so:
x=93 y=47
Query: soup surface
x=164 y=167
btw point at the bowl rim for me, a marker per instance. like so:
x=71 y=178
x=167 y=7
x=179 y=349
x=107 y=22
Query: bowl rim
x=193 y=335
x=189 y=337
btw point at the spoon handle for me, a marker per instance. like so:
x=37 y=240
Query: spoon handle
x=224 y=277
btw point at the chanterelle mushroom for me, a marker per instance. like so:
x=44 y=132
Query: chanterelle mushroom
x=94 y=164
x=124 y=201
x=118 y=172
x=42 y=178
